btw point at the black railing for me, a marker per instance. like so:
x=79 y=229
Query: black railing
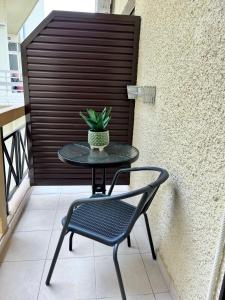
x=15 y=160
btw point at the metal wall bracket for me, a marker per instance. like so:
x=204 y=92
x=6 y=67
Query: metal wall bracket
x=147 y=93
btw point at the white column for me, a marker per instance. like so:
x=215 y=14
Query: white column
x=4 y=57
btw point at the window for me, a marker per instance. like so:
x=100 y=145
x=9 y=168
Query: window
x=13 y=62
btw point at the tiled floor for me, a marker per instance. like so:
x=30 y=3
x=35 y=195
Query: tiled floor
x=87 y=272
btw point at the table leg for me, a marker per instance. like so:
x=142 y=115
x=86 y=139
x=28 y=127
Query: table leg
x=101 y=187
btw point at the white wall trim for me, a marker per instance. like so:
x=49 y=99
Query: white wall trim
x=128 y=8
x=167 y=278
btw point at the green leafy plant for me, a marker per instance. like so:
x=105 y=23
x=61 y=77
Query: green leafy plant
x=97 y=121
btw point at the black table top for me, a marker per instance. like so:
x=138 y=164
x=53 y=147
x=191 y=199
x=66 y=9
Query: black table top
x=115 y=154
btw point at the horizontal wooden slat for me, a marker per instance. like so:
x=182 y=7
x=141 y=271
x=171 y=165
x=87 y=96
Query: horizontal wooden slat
x=88 y=33
x=74 y=115
x=79 y=55
x=63 y=166
x=70 y=169
x=95 y=18
x=97 y=104
x=62 y=175
x=78 y=69
x=85 y=48
x=51 y=125
x=78 y=89
x=56 y=136
x=83 y=41
x=82 y=76
x=90 y=26
x=67 y=136
x=69 y=181
x=45 y=94
x=79 y=62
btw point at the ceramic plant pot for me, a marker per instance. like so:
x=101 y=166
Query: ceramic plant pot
x=98 y=140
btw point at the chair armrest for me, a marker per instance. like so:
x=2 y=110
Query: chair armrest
x=163 y=175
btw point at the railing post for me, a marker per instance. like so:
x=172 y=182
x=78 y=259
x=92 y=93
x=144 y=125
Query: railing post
x=3 y=211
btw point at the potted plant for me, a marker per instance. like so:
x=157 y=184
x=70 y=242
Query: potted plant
x=98 y=135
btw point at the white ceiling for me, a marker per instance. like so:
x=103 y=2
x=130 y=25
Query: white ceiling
x=17 y=12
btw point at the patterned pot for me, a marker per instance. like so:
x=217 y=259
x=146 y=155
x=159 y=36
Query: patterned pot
x=98 y=140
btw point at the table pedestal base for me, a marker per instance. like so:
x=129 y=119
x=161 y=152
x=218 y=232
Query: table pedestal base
x=98 y=187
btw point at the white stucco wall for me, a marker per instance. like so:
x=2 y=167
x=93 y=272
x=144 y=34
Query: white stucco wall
x=182 y=51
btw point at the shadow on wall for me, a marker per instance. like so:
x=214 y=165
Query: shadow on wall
x=170 y=222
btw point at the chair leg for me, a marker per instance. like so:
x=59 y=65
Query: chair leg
x=63 y=233
x=118 y=273
x=128 y=241
x=71 y=241
x=149 y=236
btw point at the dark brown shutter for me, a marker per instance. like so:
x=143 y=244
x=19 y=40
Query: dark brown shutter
x=73 y=61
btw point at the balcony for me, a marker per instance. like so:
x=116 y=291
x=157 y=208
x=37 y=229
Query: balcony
x=181 y=54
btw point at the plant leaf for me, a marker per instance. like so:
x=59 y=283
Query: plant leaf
x=92 y=114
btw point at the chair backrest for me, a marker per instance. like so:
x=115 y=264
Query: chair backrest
x=147 y=192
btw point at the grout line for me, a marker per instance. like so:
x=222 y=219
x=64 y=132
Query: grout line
x=148 y=276
x=19 y=261
x=39 y=288
x=95 y=274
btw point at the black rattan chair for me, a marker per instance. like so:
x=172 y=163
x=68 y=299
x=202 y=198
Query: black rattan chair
x=108 y=219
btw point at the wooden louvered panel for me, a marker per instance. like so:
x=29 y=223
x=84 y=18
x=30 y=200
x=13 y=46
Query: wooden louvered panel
x=70 y=62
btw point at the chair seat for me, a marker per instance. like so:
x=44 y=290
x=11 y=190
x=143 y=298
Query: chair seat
x=104 y=221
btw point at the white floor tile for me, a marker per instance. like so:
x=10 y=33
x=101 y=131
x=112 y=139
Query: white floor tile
x=101 y=249
x=73 y=278
x=68 y=189
x=81 y=246
x=36 y=220
x=28 y=246
x=66 y=199
x=119 y=188
x=20 y=280
x=141 y=237
x=140 y=221
x=163 y=296
x=43 y=201
x=133 y=273
x=155 y=276
x=48 y=189
x=136 y=297
x=60 y=214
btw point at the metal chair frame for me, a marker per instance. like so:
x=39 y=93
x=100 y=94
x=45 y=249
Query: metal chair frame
x=148 y=192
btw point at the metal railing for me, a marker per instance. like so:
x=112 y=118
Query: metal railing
x=15 y=160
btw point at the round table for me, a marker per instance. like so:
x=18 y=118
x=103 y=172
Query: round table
x=114 y=155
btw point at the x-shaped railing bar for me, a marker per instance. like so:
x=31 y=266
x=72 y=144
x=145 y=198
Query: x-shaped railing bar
x=16 y=159
x=11 y=170
x=23 y=144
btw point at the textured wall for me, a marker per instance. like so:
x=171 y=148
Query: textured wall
x=182 y=51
